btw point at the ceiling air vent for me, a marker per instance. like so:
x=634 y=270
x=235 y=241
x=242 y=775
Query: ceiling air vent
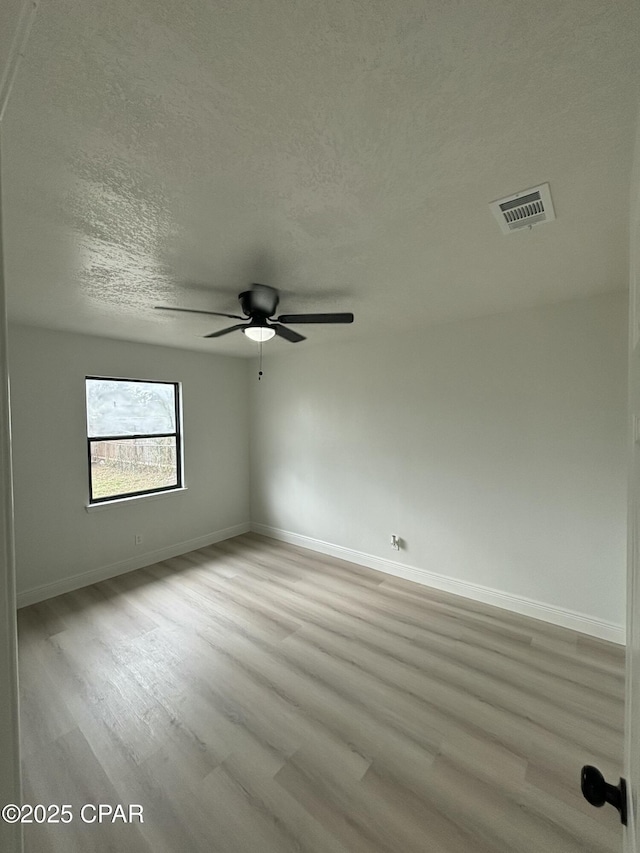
x=524 y=209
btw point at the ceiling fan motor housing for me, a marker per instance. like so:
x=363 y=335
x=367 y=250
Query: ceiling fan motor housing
x=260 y=302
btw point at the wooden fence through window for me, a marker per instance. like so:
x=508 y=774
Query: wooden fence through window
x=135 y=453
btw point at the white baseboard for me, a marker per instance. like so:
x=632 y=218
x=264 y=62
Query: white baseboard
x=50 y=590
x=507 y=601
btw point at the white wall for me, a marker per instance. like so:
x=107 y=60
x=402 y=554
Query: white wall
x=494 y=447
x=56 y=538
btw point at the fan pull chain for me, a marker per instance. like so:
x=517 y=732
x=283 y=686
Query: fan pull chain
x=260 y=367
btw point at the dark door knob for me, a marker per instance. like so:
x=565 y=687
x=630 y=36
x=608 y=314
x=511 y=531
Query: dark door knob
x=598 y=792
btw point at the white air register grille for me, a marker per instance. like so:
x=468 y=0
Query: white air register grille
x=524 y=209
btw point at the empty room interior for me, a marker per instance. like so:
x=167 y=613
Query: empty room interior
x=318 y=355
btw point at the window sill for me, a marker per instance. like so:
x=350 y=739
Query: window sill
x=120 y=501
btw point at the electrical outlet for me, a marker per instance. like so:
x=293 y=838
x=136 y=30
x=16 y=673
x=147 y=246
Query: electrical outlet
x=138 y=539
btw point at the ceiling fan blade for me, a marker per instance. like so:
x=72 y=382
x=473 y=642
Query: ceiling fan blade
x=197 y=311
x=226 y=331
x=287 y=334
x=315 y=318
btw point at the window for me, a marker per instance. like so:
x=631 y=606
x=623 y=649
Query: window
x=133 y=437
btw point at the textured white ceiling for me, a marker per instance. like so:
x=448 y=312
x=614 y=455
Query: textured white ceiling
x=344 y=151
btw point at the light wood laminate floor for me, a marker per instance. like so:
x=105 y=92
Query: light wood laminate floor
x=255 y=697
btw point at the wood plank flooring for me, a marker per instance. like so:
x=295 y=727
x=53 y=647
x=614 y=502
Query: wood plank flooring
x=255 y=697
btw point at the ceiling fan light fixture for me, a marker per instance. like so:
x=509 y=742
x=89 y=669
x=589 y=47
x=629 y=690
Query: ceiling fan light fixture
x=259 y=333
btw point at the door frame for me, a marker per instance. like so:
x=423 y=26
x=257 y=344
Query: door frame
x=16 y=21
x=632 y=666
x=10 y=781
